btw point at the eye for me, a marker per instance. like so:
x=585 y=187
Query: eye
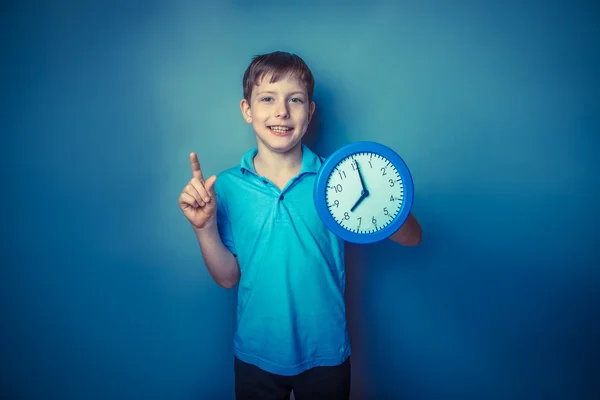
x=267 y=99
x=296 y=100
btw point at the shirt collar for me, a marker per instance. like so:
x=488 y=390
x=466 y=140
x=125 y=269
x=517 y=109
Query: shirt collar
x=310 y=161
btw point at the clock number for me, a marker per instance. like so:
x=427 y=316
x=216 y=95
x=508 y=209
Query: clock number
x=346 y=216
x=391 y=198
x=353 y=163
x=374 y=221
x=336 y=203
x=338 y=188
x=385 y=211
x=391 y=182
x=383 y=171
x=371 y=165
x=359 y=220
x=342 y=174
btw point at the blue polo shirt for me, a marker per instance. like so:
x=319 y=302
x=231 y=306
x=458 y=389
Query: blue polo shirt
x=291 y=314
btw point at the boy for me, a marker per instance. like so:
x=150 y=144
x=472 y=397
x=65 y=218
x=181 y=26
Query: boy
x=257 y=227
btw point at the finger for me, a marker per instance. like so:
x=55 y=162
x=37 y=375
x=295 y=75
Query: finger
x=196 y=171
x=188 y=200
x=191 y=190
x=199 y=186
x=209 y=185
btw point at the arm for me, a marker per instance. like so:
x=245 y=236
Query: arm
x=222 y=265
x=410 y=232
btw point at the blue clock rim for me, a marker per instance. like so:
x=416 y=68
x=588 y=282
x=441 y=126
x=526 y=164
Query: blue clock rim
x=320 y=189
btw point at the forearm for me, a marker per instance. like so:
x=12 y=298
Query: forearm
x=221 y=264
x=410 y=233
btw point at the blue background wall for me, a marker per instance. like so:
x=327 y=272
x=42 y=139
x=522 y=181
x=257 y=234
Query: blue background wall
x=495 y=108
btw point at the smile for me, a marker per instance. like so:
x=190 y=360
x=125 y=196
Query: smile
x=280 y=130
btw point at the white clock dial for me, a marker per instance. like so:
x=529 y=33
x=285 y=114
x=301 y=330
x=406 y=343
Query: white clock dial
x=370 y=209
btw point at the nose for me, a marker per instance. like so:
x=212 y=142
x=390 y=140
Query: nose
x=281 y=111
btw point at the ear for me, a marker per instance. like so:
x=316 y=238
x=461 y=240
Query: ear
x=246 y=111
x=311 y=110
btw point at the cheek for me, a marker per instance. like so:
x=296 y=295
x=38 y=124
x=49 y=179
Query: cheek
x=301 y=114
x=259 y=114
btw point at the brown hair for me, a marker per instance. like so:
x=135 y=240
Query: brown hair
x=279 y=64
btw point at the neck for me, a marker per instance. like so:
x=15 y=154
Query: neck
x=278 y=163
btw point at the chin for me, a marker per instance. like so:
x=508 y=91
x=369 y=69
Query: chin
x=281 y=144
x=283 y=148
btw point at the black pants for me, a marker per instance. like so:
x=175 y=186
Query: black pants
x=319 y=383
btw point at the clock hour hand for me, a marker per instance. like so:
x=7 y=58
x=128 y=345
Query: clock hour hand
x=363 y=195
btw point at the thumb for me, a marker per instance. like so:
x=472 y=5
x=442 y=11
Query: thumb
x=209 y=184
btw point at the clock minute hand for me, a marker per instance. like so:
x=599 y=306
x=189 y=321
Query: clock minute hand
x=364 y=192
x=362 y=181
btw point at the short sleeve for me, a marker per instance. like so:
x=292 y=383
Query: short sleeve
x=224 y=225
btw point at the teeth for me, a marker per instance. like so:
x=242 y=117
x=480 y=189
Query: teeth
x=280 y=128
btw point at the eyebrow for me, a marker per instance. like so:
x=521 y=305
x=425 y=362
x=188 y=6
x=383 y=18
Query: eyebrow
x=271 y=92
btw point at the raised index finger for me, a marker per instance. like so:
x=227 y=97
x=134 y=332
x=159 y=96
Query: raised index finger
x=196 y=171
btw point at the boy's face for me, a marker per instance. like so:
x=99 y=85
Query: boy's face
x=279 y=113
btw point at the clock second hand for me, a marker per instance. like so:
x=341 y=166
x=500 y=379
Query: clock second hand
x=364 y=192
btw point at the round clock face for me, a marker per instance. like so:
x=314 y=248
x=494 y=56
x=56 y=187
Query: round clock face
x=364 y=192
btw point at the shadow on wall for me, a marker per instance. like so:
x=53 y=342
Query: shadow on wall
x=329 y=128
